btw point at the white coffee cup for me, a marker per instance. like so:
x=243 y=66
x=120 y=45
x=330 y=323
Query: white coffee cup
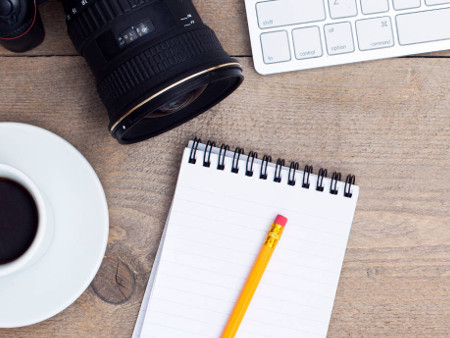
x=45 y=228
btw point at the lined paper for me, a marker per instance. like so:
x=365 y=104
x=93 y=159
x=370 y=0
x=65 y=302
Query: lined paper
x=216 y=226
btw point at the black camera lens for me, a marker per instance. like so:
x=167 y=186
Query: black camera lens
x=21 y=27
x=156 y=63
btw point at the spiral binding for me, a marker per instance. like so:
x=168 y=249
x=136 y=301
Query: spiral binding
x=192 y=158
x=321 y=175
x=235 y=166
x=333 y=186
x=278 y=167
x=306 y=173
x=293 y=168
x=349 y=181
x=249 y=170
x=265 y=162
x=207 y=161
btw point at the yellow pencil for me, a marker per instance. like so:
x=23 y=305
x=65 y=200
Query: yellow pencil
x=254 y=277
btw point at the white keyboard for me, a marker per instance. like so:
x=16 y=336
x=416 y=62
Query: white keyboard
x=288 y=35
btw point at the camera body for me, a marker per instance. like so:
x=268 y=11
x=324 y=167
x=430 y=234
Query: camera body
x=156 y=63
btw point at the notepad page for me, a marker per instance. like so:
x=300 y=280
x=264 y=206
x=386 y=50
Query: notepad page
x=148 y=290
x=216 y=228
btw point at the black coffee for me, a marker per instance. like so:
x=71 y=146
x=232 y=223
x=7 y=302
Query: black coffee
x=18 y=220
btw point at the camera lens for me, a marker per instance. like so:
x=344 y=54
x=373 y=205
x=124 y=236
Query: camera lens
x=21 y=27
x=178 y=103
x=156 y=63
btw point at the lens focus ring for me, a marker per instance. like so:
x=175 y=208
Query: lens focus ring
x=155 y=60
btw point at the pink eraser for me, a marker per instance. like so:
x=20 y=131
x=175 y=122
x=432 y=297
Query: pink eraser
x=281 y=220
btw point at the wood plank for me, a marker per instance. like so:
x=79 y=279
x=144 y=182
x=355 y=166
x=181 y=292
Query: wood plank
x=385 y=121
x=226 y=18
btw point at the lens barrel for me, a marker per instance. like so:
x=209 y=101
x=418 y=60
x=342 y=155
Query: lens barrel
x=21 y=27
x=156 y=63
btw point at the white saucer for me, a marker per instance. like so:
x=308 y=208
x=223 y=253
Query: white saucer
x=81 y=225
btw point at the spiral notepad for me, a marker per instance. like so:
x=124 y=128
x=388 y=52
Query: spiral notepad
x=223 y=206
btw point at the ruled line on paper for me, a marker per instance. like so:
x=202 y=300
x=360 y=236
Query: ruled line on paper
x=251 y=228
x=206 y=283
x=233 y=262
x=226 y=234
x=270 y=310
x=189 y=319
x=274 y=299
x=298 y=291
x=244 y=226
x=176 y=329
x=262 y=296
x=191 y=306
x=194 y=293
x=207 y=270
x=275 y=286
x=217 y=259
x=292 y=302
x=274 y=324
x=213 y=245
x=255 y=216
x=288 y=314
x=236 y=197
x=252 y=215
x=302 y=278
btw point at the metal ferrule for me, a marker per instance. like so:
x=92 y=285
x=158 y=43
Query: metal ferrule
x=274 y=235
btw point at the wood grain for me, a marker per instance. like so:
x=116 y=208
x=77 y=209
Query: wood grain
x=388 y=122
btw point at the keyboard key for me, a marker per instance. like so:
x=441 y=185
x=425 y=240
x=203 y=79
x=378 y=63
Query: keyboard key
x=423 y=26
x=436 y=2
x=406 y=4
x=307 y=43
x=374 y=33
x=374 y=6
x=339 y=38
x=289 y=12
x=275 y=47
x=342 y=8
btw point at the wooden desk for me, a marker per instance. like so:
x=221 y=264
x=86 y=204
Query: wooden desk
x=387 y=121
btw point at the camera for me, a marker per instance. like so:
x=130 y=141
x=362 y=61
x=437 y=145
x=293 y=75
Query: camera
x=157 y=65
